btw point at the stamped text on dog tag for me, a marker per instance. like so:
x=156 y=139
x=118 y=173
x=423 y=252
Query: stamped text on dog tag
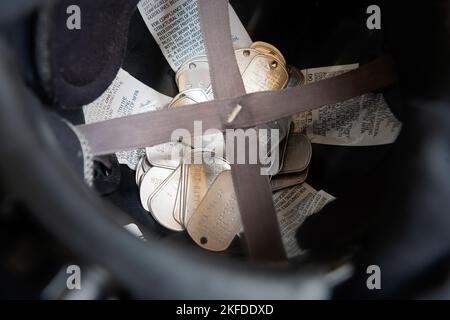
x=265 y=73
x=216 y=221
x=199 y=178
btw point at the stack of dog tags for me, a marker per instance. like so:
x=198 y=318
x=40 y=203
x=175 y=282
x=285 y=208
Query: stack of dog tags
x=187 y=187
x=295 y=163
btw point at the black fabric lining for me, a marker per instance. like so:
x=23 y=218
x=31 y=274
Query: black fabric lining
x=83 y=63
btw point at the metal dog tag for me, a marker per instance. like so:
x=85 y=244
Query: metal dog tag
x=167 y=155
x=275 y=148
x=139 y=171
x=268 y=49
x=142 y=168
x=199 y=178
x=298 y=154
x=283 y=148
x=284 y=181
x=151 y=182
x=216 y=222
x=265 y=73
x=194 y=74
x=188 y=97
x=146 y=165
x=177 y=209
x=296 y=77
x=283 y=125
x=162 y=202
x=211 y=142
x=244 y=57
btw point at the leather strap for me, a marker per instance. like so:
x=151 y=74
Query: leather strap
x=226 y=79
x=153 y=128
x=253 y=192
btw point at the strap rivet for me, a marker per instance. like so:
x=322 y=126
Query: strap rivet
x=234 y=113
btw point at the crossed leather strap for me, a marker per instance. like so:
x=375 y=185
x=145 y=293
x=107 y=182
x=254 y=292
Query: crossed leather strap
x=253 y=191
